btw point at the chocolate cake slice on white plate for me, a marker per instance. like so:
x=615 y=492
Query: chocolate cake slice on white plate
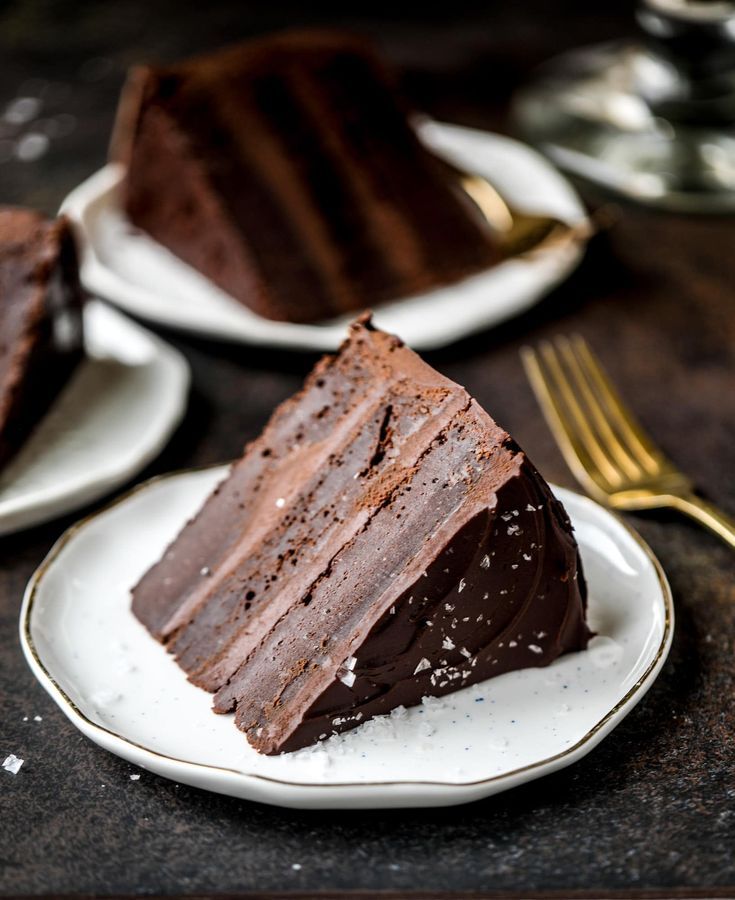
x=286 y=170
x=383 y=540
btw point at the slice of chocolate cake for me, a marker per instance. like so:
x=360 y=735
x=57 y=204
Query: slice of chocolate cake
x=41 y=338
x=285 y=170
x=381 y=541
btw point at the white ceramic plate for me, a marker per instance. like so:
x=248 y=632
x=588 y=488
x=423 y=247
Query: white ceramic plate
x=115 y=415
x=143 y=278
x=121 y=689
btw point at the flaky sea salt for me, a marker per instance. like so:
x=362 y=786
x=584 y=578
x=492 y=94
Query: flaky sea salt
x=12 y=764
x=135 y=777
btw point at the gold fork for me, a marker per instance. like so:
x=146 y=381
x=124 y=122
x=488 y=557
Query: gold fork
x=519 y=232
x=604 y=446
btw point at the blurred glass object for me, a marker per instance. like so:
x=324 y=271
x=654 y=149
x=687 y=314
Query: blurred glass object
x=653 y=120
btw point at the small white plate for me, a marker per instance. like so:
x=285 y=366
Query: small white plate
x=142 y=277
x=115 y=415
x=121 y=689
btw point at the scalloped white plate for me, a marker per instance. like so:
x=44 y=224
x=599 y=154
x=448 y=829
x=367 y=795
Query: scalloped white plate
x=128 y=268
x=121 y=689
x=115 y=415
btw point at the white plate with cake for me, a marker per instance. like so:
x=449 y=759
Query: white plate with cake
x=387 y=601
x=267 y=193
x=87 y=397
x=121 y=691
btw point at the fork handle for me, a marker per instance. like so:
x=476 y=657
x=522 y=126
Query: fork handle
x=706 y=514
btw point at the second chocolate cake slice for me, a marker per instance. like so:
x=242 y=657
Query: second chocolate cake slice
x=381 y=541
x=285 y=170
x=41 y=335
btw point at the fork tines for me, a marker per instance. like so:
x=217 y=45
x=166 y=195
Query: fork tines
x=601 y=441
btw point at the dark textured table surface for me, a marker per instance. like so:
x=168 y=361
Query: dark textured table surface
x=654 y=805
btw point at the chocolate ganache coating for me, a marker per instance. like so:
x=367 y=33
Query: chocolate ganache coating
x=383 y=540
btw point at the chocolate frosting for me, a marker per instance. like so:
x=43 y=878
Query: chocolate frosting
x=383 y=540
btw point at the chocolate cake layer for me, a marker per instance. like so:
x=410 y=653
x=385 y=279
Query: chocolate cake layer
x=285 y=170
x=382 y=540
x=41 y=338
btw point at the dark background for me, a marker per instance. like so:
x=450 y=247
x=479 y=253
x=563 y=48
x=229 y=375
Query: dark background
x=654 y=805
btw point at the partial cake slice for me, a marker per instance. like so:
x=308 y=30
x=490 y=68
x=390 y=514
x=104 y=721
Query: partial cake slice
x=381 y=541
x=285 y=170
x=41 y=338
